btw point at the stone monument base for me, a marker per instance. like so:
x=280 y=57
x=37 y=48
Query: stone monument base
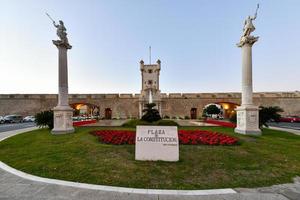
x=247 y=120
x=63 y=122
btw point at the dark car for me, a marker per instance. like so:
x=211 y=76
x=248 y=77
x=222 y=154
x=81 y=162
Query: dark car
x=290 y=119
x=13 y=119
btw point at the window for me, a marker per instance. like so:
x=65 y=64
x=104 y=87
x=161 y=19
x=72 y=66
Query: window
x=150 y=82
x=150 y=71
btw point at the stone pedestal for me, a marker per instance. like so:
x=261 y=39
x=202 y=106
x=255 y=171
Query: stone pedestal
x=62 y=112
x=63 y=122
x=247 y=113
x=247 y=120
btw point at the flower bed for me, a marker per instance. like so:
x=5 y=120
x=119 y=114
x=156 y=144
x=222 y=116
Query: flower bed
x=81 y=123
x=194 y=137
x=205 y=137
x=115 y=136
x=221 y=123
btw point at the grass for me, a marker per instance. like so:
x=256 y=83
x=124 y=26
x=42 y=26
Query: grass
x=273 y=158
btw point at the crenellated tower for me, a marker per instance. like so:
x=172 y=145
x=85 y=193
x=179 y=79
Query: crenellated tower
x=150 y=85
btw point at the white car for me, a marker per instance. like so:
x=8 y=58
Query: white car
x=1 y=120
x=29 y=119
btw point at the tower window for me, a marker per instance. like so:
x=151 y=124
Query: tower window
x=150 y=82
x=150 y=71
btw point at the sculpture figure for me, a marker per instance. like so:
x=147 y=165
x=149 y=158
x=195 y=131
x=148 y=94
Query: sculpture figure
x=248 y=29
x=61 y=33
x=248 y=25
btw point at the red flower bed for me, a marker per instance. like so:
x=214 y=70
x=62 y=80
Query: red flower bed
x=185 y=137
x=81 y=123
x=115 y=136
x=205 y=137
x=221 y=123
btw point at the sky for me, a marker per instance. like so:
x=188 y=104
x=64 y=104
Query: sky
x=194 y=39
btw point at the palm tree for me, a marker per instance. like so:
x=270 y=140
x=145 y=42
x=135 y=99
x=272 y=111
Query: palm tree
x=151 y=114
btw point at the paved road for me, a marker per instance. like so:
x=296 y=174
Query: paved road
x=15 y=126
x=289 y=125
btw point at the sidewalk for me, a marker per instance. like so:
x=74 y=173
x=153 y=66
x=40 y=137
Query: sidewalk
x=296 y=132
x=14 y=187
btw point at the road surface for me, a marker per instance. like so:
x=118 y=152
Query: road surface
x=15 y=126
x=289 y=125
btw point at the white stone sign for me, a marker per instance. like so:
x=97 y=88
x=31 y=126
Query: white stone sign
x=157 y=143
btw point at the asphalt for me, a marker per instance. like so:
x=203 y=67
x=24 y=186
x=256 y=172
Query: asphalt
x=15 y=126
x=13 y=187
x=287 y=125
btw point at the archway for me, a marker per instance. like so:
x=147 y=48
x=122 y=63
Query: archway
x=228 y=108
x=85 y=110
x=108 y=113
x=193 y=113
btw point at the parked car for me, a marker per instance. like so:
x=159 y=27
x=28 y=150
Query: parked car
x=29 y=119
x=13 y=119
x=1 y=120
x=290 y=119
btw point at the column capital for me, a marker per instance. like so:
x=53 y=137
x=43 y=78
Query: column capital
x=61 y=44
x=250 y=40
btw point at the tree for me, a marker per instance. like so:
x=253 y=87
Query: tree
x=267 y=114
x=44 y=119
x=151 y=114
x=211 y=110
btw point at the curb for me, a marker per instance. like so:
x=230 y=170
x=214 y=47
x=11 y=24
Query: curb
x=112 y=188
x=8 y=134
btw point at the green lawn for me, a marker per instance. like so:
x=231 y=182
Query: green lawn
x=258 y=161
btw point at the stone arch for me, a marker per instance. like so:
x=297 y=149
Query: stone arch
x=87 y=109
x=228 y=108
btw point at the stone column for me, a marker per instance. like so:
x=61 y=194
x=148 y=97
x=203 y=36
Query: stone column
x=62 y=112
x=247 y=113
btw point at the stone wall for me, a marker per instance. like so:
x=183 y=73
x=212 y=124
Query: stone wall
x=180 y=105
x=127 y=105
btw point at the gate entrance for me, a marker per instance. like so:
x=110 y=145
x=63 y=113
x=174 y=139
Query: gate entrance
x=194 y=113
x=108 y=113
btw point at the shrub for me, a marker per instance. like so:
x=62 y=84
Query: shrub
x=151 y=114
x=166 y=123
x=44 y=119
x=269 y=113
x=186 y=117
x=166 y=117
x=135 y=122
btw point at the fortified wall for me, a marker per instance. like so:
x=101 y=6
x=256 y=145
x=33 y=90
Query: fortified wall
x=127 y=105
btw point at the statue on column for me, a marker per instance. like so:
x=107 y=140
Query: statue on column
x=248 y=29
x=61 y=32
